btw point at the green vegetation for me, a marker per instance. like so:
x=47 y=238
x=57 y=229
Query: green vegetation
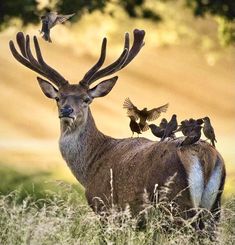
x=28 y=11
x=36 y=185
x=33 y=211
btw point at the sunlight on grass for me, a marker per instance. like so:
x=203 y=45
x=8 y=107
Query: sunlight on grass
x=61 y=217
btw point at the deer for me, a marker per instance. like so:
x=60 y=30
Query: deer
x=121 y=171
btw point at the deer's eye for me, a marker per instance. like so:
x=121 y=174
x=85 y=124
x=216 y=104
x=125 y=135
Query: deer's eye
x=87 y=100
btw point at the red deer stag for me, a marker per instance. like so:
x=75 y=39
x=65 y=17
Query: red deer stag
x=138 y=165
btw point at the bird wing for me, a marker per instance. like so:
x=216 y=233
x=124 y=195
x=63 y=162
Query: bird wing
x=144 y=126
x=156 y=112
x=212 y=133
x=62 y=18
x=132 y=110
x=51 y=18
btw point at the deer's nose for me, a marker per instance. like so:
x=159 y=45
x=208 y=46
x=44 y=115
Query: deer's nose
x=66 y=111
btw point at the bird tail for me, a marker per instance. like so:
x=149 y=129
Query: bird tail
x=47 y=37
x=163 y=137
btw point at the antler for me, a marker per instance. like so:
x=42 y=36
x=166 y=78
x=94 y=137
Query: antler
x=38 y=65
x=125 y=58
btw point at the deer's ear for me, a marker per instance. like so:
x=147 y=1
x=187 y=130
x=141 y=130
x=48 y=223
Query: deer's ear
x=102 y=88
x=47 y=88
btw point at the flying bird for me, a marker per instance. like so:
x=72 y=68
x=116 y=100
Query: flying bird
x=157 y=131
x=134 y=126
x=208 y=130
x=171 y=127
x=144 y=114
x=193 y=136
x=51 y=19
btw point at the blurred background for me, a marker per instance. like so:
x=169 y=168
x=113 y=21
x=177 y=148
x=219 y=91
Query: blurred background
x=188 y=61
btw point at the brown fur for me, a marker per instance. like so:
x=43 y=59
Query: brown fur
x=137 y=165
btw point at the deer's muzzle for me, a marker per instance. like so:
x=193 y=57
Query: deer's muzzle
x=66 y=112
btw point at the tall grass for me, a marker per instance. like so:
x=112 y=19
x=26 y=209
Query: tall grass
x=62 y=216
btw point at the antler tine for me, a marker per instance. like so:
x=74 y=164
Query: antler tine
x=137 y=45
x=127 y=41
x=27 y=59
x=23 y=60
x=29 y=54
x=111 y=68
x=125 y=58
x=115 y=66
x=21 y=43
x=99 y=63
x=51 y=74
x=35 y=63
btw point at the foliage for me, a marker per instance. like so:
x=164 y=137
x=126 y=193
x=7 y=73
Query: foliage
x=28 y=11
x=222 y=8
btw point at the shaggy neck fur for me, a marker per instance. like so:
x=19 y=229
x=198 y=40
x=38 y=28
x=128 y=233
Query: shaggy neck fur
x=82 y=147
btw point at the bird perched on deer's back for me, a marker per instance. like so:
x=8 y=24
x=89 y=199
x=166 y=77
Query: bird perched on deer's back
x=163 y=123
x=134 y=126
x=171 y=127
x=144 y=114
x=208 y=130
x=193 y=136
x=157 y=131
x=49 y=20
x=188 y=125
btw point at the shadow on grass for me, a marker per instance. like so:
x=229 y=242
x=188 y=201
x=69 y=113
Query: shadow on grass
x=39 y=185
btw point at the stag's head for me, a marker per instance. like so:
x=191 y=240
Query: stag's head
x=73 y=99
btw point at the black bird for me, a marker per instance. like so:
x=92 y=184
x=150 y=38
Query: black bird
x=171 y=127
x=208 y=130
x=49 y=20
x=144 y=114
x=188 y=125
x=184 y=127
x=199 y=121
x=193 y=136
x=157 y=131
x=163 y=123
x=134 y=126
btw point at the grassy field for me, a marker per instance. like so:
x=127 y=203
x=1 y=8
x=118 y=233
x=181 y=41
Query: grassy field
x=36 y=211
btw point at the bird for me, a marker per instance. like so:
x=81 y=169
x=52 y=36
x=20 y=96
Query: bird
x=193 y=136
x=144 y=114
x=134 y=126
x=199 y=121
x=208 y=130
x=171 y=127
x=184 y=127
x=156 y=131
x=163 y=123
x=51 y=19
x=188 y=125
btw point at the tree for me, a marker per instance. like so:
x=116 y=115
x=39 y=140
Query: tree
x=28 y=11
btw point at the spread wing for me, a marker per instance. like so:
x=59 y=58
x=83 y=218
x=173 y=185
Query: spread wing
x=62 y=18
x=132 y=110
x=156 y=112
x=51 y=19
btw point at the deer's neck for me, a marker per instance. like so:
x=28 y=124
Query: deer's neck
x=82 y=148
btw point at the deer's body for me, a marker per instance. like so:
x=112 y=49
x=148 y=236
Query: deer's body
x=138 y=165
x=121 y=171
